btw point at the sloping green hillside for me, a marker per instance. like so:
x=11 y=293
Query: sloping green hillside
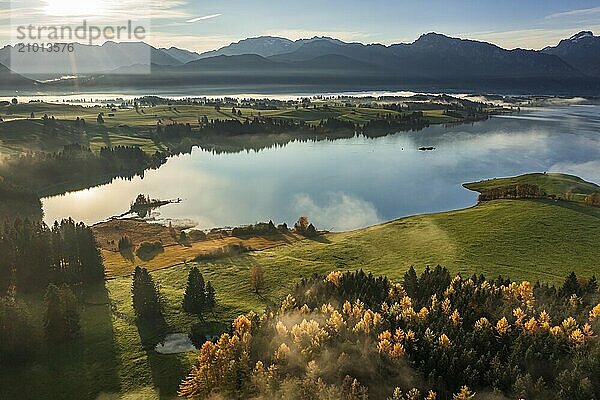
x=521 y=239
x=555 y=184
x=534 y=240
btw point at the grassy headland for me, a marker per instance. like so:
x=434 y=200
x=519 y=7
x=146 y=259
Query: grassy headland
x=555 y=185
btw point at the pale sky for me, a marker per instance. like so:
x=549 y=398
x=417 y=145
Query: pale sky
x=209 y=24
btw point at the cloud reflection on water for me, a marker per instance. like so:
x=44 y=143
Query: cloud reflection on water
x=351 y=183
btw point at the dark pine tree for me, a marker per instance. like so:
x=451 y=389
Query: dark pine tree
x=570 y=286
x=411 y=283
x=146 y=299
x=592 y=285
x=194 y=299
x=6 y=266
x=17 y=337
x=72 y=317
x=311 y=231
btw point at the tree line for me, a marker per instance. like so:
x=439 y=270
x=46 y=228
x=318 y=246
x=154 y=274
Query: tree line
x=592 y=200
x=35 y=255
x=37 y=170
x=519 y=191
x=58 y=261
x=260 y=125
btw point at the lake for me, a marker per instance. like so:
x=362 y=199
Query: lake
x=351 y=183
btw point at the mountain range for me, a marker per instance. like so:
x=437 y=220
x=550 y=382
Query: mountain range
x=88 y=59
x=578 y=55
x=433 y=59
x=582 y=52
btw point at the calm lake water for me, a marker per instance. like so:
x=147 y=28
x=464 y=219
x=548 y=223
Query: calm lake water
x=351 y=183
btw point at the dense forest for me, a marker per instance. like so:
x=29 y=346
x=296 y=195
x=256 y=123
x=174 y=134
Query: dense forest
x=14 y=198
x=28 y=176
x=356 y=336
x=59 y=261
x=34 y=255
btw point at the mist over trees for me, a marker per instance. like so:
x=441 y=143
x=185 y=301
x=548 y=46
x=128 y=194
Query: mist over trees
x=351 y=335
x=18 y=341
x=55 y=261
x=35 y=170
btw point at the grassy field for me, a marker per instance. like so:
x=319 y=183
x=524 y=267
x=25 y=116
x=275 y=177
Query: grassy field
x=148 y=116
x=523 y=239
x=122 y=263
x=21 y=132
x=558 y=185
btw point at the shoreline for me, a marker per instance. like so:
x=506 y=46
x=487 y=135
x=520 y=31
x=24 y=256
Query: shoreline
x=222 y=243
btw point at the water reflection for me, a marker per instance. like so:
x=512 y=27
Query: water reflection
x=353 y=182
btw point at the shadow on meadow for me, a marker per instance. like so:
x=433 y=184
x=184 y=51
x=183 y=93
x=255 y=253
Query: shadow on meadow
x=82 y=369
x=163 y=366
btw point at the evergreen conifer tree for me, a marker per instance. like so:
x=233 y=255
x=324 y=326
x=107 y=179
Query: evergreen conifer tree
x=146 y=298
x=61 y=319
x=570 y=286
x=194 y=299
x=411 y=282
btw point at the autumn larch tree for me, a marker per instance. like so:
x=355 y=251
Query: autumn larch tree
x=302 y=225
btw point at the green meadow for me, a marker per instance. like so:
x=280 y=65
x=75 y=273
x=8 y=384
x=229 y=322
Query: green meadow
x=21 y=131
x=557 y=185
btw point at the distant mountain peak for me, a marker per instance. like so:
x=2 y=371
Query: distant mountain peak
x=581 y=51
x=436 y=39
x=433 y=36
x=581 y=35
x=326 y=38
x=266 y=38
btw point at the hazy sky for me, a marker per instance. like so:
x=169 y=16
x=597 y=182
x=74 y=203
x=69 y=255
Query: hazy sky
x=208 y=24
